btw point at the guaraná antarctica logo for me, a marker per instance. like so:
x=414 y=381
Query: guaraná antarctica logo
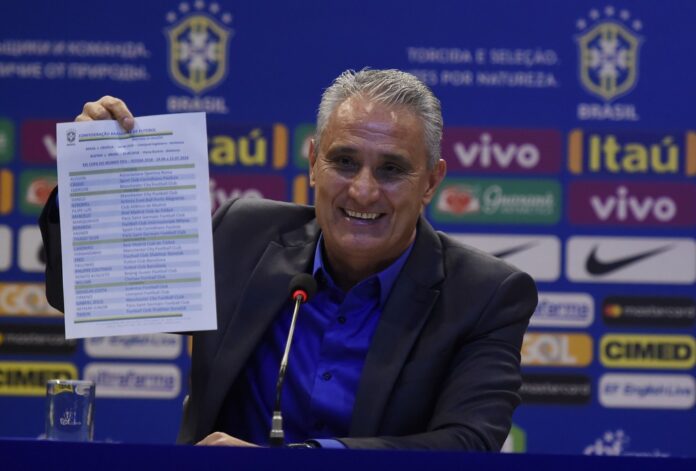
x=608 y=52
x=197 y=44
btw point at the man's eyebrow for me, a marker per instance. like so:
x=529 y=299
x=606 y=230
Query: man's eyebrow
x=396 y=159
x=342 y=150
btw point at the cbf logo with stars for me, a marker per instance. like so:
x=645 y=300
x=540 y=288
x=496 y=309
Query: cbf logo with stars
x=608 y=47
x=198 y=43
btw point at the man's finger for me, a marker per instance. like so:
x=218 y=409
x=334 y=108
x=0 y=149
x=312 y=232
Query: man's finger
x=118 y=111
x=94 y=111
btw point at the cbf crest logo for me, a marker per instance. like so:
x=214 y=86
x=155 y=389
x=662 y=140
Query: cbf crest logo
x=608 y=48
x=198 y=45
x=70 y=135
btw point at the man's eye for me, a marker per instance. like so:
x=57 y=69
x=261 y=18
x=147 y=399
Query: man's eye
x=343 y=161
x=391 y=170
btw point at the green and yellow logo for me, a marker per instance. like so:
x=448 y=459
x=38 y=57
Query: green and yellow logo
x=198 y=45
x=608 y=50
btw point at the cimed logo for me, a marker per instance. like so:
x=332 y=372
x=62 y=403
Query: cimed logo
x=608 y=48
x=198 y=43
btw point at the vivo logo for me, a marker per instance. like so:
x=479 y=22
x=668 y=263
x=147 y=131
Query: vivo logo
x=663 y=204
x=623 y=205
x=489 y=153
x=38 y=141
x=223 y=187
x=502 y=150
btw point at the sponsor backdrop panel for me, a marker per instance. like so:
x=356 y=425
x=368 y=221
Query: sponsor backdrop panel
x=571 y=145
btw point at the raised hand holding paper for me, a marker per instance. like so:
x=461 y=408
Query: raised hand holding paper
x=135 y=226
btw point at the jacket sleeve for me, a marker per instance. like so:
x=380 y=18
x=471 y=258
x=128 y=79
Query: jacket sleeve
x=49 y=223
x=475 y=401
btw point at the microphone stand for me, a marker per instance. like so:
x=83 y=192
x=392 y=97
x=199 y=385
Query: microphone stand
x=277 y=436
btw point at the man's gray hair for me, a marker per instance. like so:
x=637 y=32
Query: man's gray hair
x=388 y=87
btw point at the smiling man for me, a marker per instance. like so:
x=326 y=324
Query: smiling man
x=412 y=340
x=372 y=177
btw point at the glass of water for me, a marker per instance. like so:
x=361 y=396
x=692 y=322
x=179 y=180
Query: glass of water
x=70 y=410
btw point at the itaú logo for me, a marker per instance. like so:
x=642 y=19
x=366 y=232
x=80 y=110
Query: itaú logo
x=556 y=349
x=648 y=351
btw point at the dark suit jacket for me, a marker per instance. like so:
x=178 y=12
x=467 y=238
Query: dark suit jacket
x=443 y=368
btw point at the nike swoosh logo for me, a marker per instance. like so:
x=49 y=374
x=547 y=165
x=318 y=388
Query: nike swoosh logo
x=601 y=267
x=513 y=250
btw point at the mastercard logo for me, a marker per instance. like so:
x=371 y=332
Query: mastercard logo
x=613 y=310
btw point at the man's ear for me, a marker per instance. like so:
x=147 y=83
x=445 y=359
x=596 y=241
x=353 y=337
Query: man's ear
x=435 y=177
x=312 y=160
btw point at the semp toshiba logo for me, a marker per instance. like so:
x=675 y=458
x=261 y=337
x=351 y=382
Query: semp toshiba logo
x=29 y=378
x=556 y=349
x=135 y=380
x=648 y=351
x=647 y=391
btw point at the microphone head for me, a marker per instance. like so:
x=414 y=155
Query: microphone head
x=302 y=285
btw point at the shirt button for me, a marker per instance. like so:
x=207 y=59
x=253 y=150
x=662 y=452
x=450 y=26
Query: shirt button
x=326 y=376
x=341 y=319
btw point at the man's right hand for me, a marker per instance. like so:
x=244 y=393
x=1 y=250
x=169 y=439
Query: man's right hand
x=107 y=107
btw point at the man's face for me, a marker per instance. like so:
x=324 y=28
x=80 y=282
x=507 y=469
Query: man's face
x=371 y=182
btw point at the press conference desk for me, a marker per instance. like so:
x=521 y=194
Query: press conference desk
x=44 y=455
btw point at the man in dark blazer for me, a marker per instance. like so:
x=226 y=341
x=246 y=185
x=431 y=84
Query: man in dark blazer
x=442 y=368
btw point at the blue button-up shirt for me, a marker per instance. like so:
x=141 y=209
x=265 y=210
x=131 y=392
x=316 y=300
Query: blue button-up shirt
x=332 y=336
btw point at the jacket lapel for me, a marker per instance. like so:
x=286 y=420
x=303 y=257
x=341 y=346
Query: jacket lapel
x=263 y=297
x=400 y=324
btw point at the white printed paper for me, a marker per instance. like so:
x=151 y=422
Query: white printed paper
x=136 y=226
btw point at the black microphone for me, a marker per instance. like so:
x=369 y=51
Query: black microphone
x=302 y=287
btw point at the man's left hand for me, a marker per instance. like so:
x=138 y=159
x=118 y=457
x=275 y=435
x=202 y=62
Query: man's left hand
x=222 y=439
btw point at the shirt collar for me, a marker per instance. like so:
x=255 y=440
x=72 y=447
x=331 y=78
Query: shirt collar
x=386 y=277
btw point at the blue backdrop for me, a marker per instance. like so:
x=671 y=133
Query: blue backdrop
x=571 y=147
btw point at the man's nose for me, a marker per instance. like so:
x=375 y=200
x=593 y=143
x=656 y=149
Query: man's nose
x=364 y=188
